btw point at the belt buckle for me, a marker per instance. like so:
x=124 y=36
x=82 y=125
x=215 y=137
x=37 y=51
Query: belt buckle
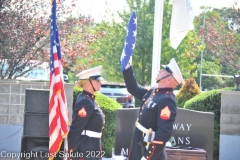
x=136 y=123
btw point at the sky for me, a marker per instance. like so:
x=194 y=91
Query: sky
x=97 y=8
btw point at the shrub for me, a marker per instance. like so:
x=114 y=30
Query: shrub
x=108 y=107
x=187 y=91
x=209 y=102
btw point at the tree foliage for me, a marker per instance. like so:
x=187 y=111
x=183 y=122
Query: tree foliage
x=219 y=31
x=24 y=30
x=113 y=43
x=75 y=41
x=221 y=36
x=22 y=37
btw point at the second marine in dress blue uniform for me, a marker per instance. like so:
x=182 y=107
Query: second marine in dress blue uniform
x=88 y=120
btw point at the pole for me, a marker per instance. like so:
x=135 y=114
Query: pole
x=200 y=82
x=157 y=39
x=213 y=75
x=90 y=17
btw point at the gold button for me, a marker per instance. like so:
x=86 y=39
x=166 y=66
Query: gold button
x=147 y=157
x=153 y=94
x=150 y=152
x=152 y=146
x=140 y=113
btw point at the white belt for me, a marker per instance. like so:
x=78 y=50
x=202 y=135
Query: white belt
x=140 y=127
x=144 y=130
x=92 y=134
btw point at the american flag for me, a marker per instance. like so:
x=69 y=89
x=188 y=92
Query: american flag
x=126 y=58
x=58 y=113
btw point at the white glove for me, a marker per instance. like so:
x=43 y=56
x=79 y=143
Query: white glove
x=123 y=54
x=129 y=62
x=143 y=158
x=146 y=136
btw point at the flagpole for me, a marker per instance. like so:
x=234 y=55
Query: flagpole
x=157 y=39
x=204 y=17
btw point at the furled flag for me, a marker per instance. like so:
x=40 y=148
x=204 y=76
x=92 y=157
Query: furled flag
x=181 y=21
x=126 y=58
x=58 y=113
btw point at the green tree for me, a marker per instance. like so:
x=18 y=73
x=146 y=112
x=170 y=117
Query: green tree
x=75 y=40
x=106 y=50
x=110 y=47
x=221 y=40
x=214 y=68
x=221 y=36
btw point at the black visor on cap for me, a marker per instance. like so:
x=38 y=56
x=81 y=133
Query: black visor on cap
x=167 y=69
x=98 y=77
x=95 y=77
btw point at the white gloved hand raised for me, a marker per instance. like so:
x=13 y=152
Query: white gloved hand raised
x=143 y=158
x=129 y=62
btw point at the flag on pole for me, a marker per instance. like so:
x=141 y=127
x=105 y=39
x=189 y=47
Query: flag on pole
x=126 y=57
x=181 y=21
x=58 y=112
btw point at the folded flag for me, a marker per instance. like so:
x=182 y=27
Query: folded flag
x=126 y=58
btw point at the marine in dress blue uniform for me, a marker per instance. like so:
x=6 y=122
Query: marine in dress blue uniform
x=88 y=120
x=157 y=113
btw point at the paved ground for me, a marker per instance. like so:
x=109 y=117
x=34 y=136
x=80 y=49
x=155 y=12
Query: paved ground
x=3 y=158
x=19 y=159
